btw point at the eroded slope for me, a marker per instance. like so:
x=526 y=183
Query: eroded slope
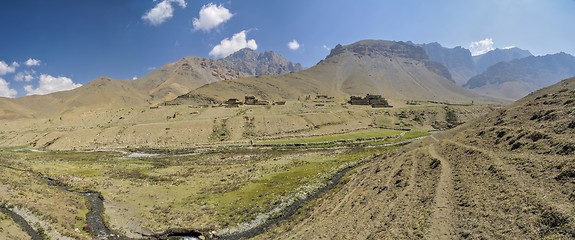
x=508 y=175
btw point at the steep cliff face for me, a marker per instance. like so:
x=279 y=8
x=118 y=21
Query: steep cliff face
x=391 y=49
x=458 y=60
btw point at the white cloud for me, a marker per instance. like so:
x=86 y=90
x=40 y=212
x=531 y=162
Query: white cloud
x=162 y=12
x=481 y=46
x=326 y=48
x=25 y=76
x=134 y=78
x=231 y=45
x=50 y=84
x=5 y=68
x=211 y=16
x=32 y=62
x=5 y=90
x=509 y=47
x=293 y=45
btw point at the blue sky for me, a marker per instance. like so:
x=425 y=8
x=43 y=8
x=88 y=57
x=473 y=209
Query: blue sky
x=67 y=43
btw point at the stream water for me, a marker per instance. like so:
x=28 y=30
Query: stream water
x=22 y=223
x=99 y=230
x=289 y=211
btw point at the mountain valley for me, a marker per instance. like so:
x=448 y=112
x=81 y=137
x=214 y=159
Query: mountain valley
x=254 y=146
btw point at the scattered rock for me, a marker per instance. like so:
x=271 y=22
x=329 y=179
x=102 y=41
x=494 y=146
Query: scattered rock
x=434 y=163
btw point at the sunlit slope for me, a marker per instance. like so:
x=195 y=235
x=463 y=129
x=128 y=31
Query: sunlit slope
x=395 y=70
x=507 y=175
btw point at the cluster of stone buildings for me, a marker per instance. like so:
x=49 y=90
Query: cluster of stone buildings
x=376 y=101
x=249 y=100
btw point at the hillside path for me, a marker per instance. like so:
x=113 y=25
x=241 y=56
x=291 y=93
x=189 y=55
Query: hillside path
x=441 y=218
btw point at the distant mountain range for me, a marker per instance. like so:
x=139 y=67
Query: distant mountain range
x=509 y=73
x=462 y=65
x=517 y=78
x=484 y=61
x=397 y=70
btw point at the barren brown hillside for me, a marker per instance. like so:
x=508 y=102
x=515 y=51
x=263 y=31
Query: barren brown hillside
x=103 y=93
x=507 y=176
x=181 y=126
x=118 y=114
x=177 y=78
x=11 y=110
x=163 y=84
x=397 y=70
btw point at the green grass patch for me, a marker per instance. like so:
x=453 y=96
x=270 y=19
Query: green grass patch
x=414 y=134
x=335 y=137
x=265 y=193
x=81 y=218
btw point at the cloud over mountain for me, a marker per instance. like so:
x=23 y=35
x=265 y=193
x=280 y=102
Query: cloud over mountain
x=230 y=45
x=49 y=84
x=481 y=46
x=211 y=16
x=293 y=45
x=5 y=90
x=162 y=12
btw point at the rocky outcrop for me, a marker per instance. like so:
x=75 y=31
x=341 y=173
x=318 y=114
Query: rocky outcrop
x=391 y=49
x=458 y=60
x=373 y=48
x=253 y=63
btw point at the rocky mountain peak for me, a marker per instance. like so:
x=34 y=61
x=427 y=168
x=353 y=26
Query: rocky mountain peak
x=253 y=63
x=379 y=50
x=243 y=54
x=374 y=48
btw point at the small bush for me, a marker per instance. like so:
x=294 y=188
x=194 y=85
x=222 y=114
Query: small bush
x=551 y=221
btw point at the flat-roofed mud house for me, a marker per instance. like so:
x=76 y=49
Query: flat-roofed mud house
x=376 y=101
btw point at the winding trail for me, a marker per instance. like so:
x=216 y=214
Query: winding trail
x=441 y=218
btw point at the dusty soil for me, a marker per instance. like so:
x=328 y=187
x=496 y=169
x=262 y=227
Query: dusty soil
x=182 y=126
x=508 y=175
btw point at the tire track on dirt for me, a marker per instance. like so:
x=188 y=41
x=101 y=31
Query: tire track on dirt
x=523 y=181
